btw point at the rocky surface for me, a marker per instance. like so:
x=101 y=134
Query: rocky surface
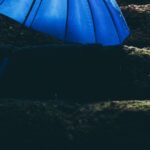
x=138 y=18
x=36 y=125
x=121 y=125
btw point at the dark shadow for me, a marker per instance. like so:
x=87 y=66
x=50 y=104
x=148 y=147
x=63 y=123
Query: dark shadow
x=137 y=2
x=69 y=72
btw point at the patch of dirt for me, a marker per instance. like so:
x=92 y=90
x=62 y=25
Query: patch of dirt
x=138 y=19
x=36 y=125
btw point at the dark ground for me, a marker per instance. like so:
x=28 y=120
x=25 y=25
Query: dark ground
x=91 y=94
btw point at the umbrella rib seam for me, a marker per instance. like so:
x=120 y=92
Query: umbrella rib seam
x=2 y=2
x=94 y=26
x=36 y=13
x=67 y=18
x=30 y=9
x=113 y=20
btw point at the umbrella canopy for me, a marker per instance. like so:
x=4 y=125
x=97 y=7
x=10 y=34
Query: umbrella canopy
x=74 y=21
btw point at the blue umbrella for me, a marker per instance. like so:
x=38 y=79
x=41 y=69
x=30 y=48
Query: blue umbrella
x=74 y=21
